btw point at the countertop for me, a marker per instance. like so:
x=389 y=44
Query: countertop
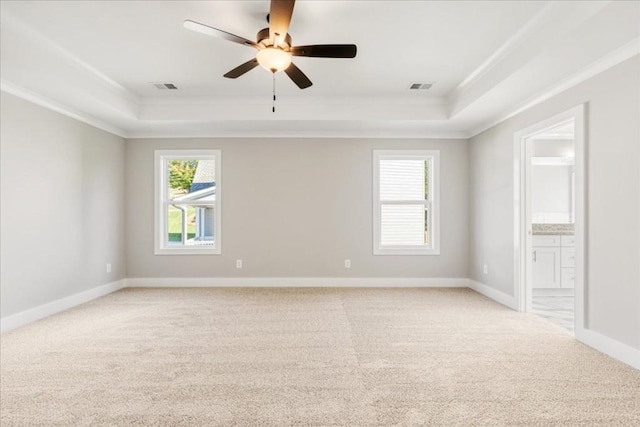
x=547 y=229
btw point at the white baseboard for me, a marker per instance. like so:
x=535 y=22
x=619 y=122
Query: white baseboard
x=24 y=317
x=617 y=350
x=302 y=282
x=494 y=294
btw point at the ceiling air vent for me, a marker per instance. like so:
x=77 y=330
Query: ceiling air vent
x=164 y=86
x=420 y=86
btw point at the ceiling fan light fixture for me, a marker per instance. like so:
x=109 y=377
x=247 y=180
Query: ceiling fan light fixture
x=273 y=59
x=274 y=50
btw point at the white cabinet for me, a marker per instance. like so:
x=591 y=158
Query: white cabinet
x=546 y=240
x=568 y=256
x=568 y=261
x=546 y=267
x=568 y=278
x=553 y=261
x=568 y=241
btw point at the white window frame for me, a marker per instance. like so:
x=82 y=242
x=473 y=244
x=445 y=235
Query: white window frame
x=432 y=205
x=161 y=202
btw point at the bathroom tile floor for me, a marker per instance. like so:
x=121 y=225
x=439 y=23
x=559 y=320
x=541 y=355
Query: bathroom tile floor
x=555 y=309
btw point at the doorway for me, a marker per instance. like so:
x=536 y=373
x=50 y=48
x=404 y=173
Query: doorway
x=549 y=218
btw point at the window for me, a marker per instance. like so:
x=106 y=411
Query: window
x=405 y=202
x=188 y=202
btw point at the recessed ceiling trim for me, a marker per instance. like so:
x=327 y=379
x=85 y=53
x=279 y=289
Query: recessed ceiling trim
x=610 y=60
x=260 y=110
x=12 y=23
x=85 y=93
x=549 y=25
x=504 y=50
x=363 y=134
x=42 y=101
x=295 y=100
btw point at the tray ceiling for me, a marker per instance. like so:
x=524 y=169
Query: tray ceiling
x=99 y=60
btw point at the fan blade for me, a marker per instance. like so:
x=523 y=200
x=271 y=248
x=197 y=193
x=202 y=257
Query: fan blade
x=240 y=70
x=326 y=50
x=298 y=76
x=279 y=19
x=210 y=31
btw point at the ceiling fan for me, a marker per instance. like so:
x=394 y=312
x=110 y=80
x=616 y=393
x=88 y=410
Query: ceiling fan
x=274 y=45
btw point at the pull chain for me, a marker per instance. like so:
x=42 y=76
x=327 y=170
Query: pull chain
x=273 y=106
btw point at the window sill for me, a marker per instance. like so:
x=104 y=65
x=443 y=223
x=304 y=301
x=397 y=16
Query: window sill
x=406 y=251
x=188 y=251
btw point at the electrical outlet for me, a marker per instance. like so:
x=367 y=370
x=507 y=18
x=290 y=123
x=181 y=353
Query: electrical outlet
x=347 y=263
x=485 y=269
x=108 y=267
x=238 y=263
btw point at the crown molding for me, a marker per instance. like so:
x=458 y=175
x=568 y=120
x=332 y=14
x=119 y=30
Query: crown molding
x=501 y=53
x=307 y=110
x=27 y=95
x=612 y=59
x=407 y=99
x=284 y=132
x=273 y=135
x=619 y=55
x=543 y=32
x=17 y=25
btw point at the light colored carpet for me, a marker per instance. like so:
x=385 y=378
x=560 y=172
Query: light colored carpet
x=280 y=357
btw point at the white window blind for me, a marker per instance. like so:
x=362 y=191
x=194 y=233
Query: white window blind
x=405 y=207
x=402 y=179
x=402 y=225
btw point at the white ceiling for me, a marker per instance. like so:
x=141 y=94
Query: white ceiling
x=96 y=60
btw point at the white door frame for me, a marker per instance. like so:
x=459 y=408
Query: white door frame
x=522 y=214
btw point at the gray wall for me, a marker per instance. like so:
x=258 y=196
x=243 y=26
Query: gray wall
x=61 y=206
x=297 y=208
x=613 y=120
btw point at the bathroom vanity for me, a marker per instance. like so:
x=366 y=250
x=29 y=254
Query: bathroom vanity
x=553 y=256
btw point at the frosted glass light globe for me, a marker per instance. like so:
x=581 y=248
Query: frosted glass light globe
x=273 y=59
